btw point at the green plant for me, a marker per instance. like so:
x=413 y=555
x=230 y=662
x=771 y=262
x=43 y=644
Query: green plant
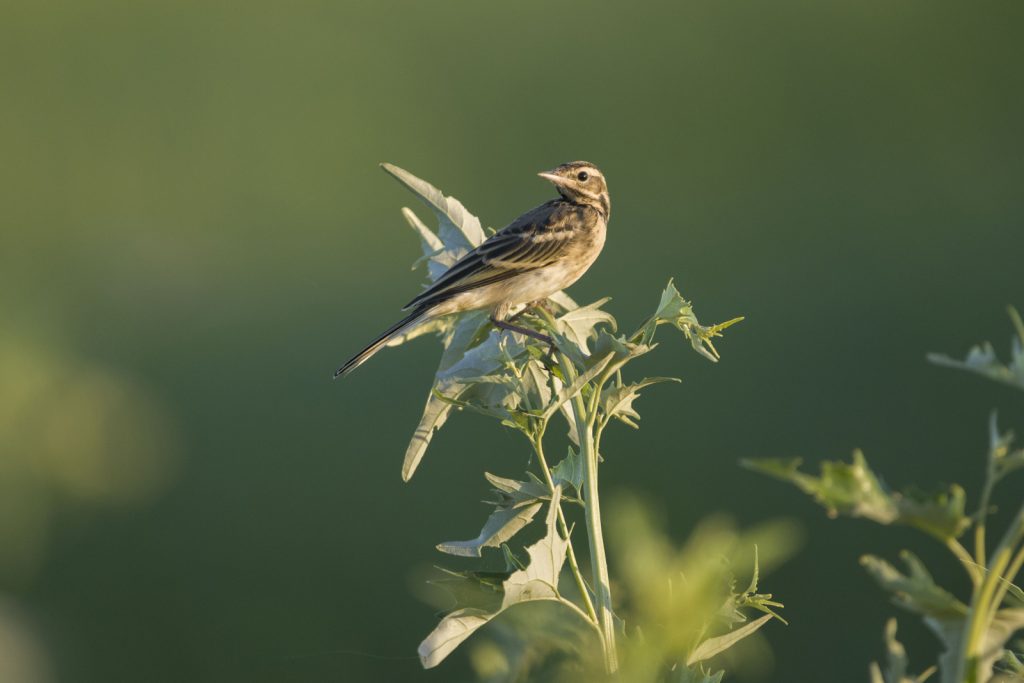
x=681 y=608
x=975 y=633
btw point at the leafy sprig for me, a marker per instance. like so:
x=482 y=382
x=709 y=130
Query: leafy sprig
x=580 y=382
x=976 y=631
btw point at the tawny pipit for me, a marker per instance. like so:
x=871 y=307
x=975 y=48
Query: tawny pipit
x=542 y=252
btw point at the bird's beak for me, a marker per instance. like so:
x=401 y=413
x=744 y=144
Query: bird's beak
x=557 y=180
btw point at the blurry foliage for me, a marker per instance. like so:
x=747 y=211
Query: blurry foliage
x=975 y=632
x=72 y=434
x=675 y=611
x=22 y=659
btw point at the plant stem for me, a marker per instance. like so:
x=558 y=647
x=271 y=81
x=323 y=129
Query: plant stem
x=585 y=420
x=1008 y=568
x=1006 y=580
x=982 y=514
x=592 y=507
x=581 y=585
x=971 y=565
x=983 y=604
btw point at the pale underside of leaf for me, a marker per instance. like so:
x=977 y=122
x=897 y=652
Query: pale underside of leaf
x=713 y=646
x=538 y=581
x=501 y=525
x=458 y=227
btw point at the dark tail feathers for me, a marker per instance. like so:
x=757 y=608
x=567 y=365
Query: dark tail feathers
x=413 y=319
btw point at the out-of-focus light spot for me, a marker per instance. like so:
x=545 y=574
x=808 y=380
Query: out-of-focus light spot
x=72 y=433
x=22 y=659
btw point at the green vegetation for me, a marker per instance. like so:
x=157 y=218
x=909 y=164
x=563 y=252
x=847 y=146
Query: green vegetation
x=974 y=632
x=681 y=608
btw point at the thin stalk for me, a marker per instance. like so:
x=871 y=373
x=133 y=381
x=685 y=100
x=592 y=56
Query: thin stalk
x=982 y=514
x=585 y=420
x=581 y=585
x=983 y=607
x=1007 y=580
x=971 y=566
x=1008 y=566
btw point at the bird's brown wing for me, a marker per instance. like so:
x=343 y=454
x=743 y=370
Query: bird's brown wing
x=534 y=240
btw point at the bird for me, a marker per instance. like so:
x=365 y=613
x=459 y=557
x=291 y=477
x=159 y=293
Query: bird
x=541 y=252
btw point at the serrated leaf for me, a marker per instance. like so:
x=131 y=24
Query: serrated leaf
x=578 y=325
x=457 y=227
x=569 y=470
x=915 y=591
x=853 y=489
x=536 y=385
x=674 y=310
x=896 y=655
x=540 y=578
x=1004 y=461
x=617 y=401
x=518 y=492
x=501 y=525
x=538 y=581
x=940 y=514
x=842 y=489
x=982 y=359
x=713 y=646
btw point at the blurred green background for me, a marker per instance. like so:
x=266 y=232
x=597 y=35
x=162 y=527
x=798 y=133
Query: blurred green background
x=195 y=233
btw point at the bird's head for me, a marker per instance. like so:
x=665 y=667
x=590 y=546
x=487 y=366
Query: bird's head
x=581 y=182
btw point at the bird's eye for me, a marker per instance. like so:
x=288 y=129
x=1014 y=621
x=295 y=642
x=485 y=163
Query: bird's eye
x=582 y=176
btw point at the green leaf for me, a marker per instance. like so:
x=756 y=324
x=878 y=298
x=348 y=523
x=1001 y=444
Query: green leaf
x=518 y=492
x=940 y=514
x=674 y=310
x=503 y=524
x=540 y=578
x=435 y=414
x=842 y=489
x=713 y=646
x=915 y=591
x=569 y=470
x=617 y=401
x=538 y=581
x=1004 y=461
x=436 y=410
x=1013 y=664
x=536 y=385
x=853 y=490
x=981 y=359
x=437 y=257
x=578 y=325
x=458 y=228
x=896 y=671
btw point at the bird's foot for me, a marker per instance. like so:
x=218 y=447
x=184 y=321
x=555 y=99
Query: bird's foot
x=543 y=304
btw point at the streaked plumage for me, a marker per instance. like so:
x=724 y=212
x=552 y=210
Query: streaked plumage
x=541 y=252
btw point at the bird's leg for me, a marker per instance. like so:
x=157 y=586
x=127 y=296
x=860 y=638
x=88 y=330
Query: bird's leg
x=504 y=325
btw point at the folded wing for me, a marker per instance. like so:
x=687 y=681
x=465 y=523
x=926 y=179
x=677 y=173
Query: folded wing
x=534 y=240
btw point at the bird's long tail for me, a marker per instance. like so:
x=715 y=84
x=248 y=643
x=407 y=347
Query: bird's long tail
x=407 y=323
